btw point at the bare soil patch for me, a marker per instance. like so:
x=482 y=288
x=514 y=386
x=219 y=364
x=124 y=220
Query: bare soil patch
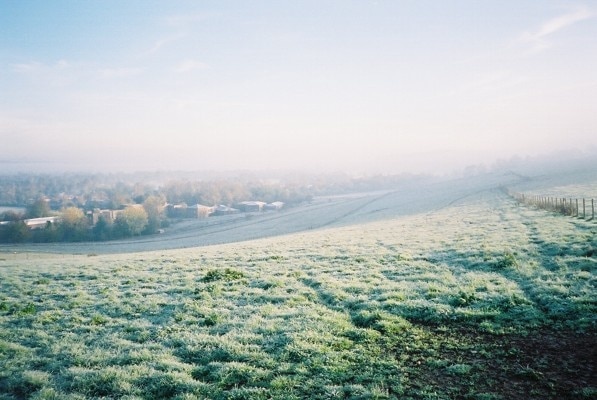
x=545 y=364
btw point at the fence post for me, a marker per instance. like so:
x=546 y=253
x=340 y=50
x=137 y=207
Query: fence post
x=561 y=205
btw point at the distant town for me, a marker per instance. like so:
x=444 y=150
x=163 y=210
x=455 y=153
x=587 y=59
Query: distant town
x=109 y=217
x=85 y=208
x=74 y=208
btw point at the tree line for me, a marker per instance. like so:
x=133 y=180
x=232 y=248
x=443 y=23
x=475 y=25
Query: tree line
x=111 y=191
x=75 y=226
x=140 y=199
x=140 y=205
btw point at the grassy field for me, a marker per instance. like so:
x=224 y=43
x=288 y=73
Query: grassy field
x=478 y=299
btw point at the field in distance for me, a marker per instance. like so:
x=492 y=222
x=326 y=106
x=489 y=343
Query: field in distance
x=323 y=212
x=467 y=296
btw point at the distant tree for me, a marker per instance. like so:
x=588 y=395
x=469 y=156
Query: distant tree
x=139 y=199
x=210 y=194
x=18 y=232
x=74 y=225
x=120 y=194
x=102 y=229
x=130 y=222
x=51 y=233
x=38 y=209
x=11 y=216
x=154 y=207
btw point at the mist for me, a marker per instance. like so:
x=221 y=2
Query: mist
x=356 y=87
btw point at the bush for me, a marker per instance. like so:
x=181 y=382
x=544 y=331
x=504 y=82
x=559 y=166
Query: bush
x=507 y=261
x=228 y=274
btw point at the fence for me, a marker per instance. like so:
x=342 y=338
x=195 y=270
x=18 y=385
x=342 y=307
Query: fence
x=579 y=208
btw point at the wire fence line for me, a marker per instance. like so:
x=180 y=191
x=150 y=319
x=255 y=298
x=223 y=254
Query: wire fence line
x=574 y=207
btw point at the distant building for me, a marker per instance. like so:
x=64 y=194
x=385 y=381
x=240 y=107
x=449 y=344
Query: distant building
x=108 y=215
x=225 y=210
x=251 y=206
x=40 y=223
x=275 y=206
x=199 y=211
x=176 y=210
x=184 y=211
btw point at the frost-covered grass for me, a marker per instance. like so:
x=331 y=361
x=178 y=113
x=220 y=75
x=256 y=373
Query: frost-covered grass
x=441 y=305
x=586 y=190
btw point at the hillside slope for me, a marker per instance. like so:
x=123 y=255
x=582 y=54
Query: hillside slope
x=478 y=298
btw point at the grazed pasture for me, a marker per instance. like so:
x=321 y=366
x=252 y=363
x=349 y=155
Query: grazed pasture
x=479 y=298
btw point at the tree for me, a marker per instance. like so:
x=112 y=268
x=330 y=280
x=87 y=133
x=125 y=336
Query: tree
x=102 y=229
x=11 y=216
x=131 y=222
x=51 y=233
x=74 y=224
x=154 y=207
x=38 y=209
x=18 y=232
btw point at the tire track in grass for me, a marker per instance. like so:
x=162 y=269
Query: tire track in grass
x=357 y=209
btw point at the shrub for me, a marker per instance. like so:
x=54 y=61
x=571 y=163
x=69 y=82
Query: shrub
x=28 y=309
x=506 y=261
x=228 y=274
x=463 y=299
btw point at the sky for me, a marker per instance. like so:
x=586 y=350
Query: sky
x=355 y=86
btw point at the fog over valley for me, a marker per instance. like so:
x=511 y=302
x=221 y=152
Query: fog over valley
x=358 y=86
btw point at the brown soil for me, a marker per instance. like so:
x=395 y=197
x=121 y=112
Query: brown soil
x=545 y=364
x=554 y=364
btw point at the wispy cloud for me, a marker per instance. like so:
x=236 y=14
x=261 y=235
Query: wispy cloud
x=62 y=64
x=35 y=66
x=538 y=39
x=161 y=43
x=190 y=65
x=110 y=73
x=27 y=67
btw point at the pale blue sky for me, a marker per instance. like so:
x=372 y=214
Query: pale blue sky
x=377 y=86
